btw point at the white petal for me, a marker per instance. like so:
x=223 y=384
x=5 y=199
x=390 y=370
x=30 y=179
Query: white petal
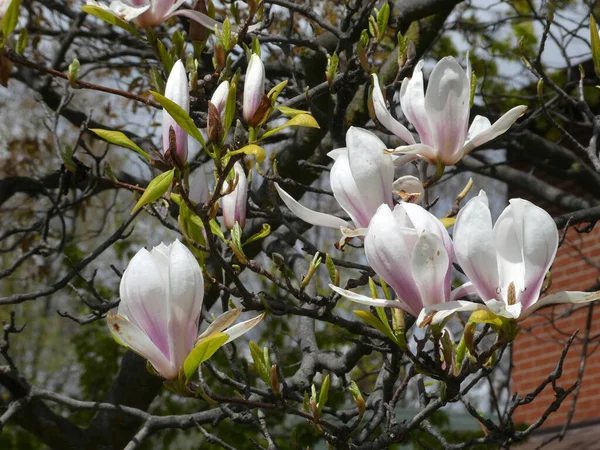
x=308 y=215
x=447 y=103
x=500 y=308
x=572 y=297
x=409 y=186
x=199 y=186
x=128 y=12
x=369 y=301
x=388 y=247
x=437 y=314
x=219 y=97
x=186 y=293
x=199 y=18
x=176 y=90
x=347 y=193
x=333 y=154
x=430 y=265
x=526 y=241
x=144 y=298
x=422 y=150
x=372 y=169
x=385 y=118
x=474 y=246
x=221 y=322
x=134 y=338
x=422 y=220
x=234 y=204
x=499 y=127
x=462 y=291
x=237 y=330
x=254 y=87
x=412 y=100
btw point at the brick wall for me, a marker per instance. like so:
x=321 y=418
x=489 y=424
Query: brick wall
x=538 y=347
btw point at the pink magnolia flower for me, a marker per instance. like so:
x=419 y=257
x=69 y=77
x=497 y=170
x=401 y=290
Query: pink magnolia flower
x=411 y=250
x=362 y=179
x=440 y=115
x=234 y=203
x=177 y=90
x=161 y=299
x=506 y=264
x=151 y=13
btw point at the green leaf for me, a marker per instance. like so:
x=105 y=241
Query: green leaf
x=180 y=116
x=448 y=221
x=331 y=270
x=192 y=228
x=107 y=17
x=301 y=120
x=259 y=363
x=373 y=27
x=291 y=112
x=118 y=138
x=22 y=42
x=323 y=394
x=157 y=80
x=236 y=243
x=216 y=229
x=595 y=39
x=266 y=230
x=377 y=324
x=461 y=352
x=156 y=189
x=165 y=58
x=383 y=18
x=251 y=149
x=11 y=18
x=386 y=290
x=473 y=87
x=226 y=34
x=202 y=352
x=275 y=91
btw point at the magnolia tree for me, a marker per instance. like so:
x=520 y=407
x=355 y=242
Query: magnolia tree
x=177 y=290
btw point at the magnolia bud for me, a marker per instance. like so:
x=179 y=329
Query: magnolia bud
x=234 y=203
x=177 y=90
x=219 y=97
x=214 y=126
x=254 y=92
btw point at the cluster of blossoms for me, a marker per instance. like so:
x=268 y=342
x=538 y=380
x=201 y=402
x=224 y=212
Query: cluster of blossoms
x=406 y=245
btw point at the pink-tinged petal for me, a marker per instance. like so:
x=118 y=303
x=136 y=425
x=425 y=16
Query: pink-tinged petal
x=176 y=90
x=430 y=264
x=162 y=8
x=480 y=134
x=462 y=291
x=207 y=22
x=409 y=186
x=348 y=194
x=308 y=215
x=125 y=11
x=526 y=241
x=474 y=246
x=333 y=154
x=186 y=293
x=447 y=103
x=385 y=118
x=219 y=97
x=372 y=169
x=134 y=338
x=438 y=314
x=422 y=150
x=388 y=247
x=400 y=160
x=567 y=297
x=144 y=298
x=234 y=203
x=412 y=101
x=369 y=301
x=254 y=87
x=422 y=220
x=199 y=186
x=243 y=327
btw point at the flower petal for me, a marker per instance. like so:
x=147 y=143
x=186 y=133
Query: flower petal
x=125 y=11
x=372 y=169
x=430 y=264
x=462 y=291
x=186 y=293
x=412 y=101
x=234 y=203
x=199 y=186
x=237 y=330
x=422 y=220
x=409 y=188
x=422 y=150
x=526 y=242
x=369 y=301
x=221 y=322
x=502 y=309
x=308 y=215
x=447 y=103
x=134 y=338
x=480 y=134
x=254 y=88
x=199 y=18
x=385 y=118
x=572 y=297
x=176 y=90
x=219 y=97
x=437 y=314
x=474 y=246
x=333 y=154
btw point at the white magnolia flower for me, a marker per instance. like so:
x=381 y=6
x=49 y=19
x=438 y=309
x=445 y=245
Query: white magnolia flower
x=161 y=299
x=440 y=115
x=506 y=264
x=234 y=203
x=254 y=90
x=177 y=90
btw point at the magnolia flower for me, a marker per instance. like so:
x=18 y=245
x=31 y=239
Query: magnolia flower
x=411 y=250
x=219 y=97
x=506 y=263
x=161 y=299
x=151 y=13
x=177 y=90
x=234 y=203
x=254 y=91
x=441 y=115
x=216 y=113
x=199 y=186
x=361 y=180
